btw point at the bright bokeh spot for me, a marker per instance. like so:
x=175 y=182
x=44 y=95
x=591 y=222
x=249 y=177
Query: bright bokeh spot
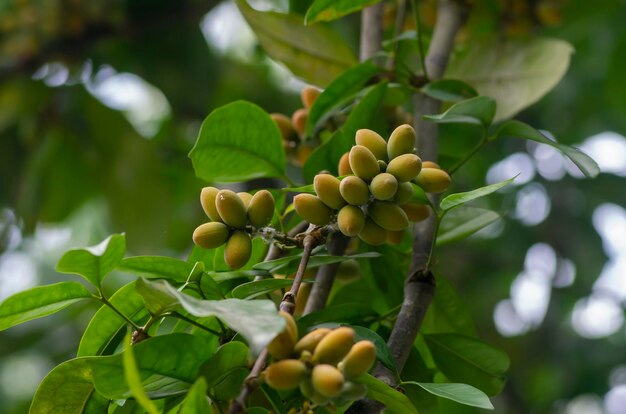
x=518 y=163
x=533 y=204
x=608 y=149
x=597 y=316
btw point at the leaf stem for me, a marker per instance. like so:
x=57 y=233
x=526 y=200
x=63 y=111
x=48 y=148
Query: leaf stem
x=194 y=323
x=106 y=302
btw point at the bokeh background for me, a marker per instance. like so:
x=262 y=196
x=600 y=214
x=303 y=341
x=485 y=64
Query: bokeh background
x=101 y=100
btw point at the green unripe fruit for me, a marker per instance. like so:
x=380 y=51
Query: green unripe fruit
x=261 y=208
x=286 y=374
x=309 y=95
x=334 y=346
x=327 y=380
x=395 y=237
x=404 y=193
x=210 y=235
x=311 y=209
x=238 y=249
x=207 y=199
x=415 y=212
x=405 y=167
x=286 y=128
x=309 y=341
x=350 y=220
x=401 y=141
x=372 y=233
x=359 y=360
x=298 y=120
x=246 y=198
x=363 y=162
x=352 y=391
x=344 y=165
x=354 y=190
x=433 y=180
x=282 y=345
x=372 y=141
x=388 y=215
x=384 y=186
x=430 y=164
x=327 y=189
x=231 y=208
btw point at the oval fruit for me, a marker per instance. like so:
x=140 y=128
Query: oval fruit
x=282 y=345
x=261 y=208
x=245 y=197
x=238 y=249
x=404 y=193
x=401 y=141
x=210 y=235
x=405 y=167
x=231 y=208
x=327 y=189
x=309 y=341
x=309 y=95
x=372 y=141
x=354 y=190
x=298 y=120
x=334 y=346
x=344 y=165
x=311 y=209
x=384 y=186
x=207 y=199
x=359 y=360
x=372 y=233
x=388 y=215
x=363 y=162
x=286 y=374
x=415 y=212
x=430 y=164
x=433 y=180
x=395 y=237
x=286 y=128
x=350 y=220
x=327 y=380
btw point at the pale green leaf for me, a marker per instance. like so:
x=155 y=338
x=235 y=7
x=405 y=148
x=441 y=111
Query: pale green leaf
x=457 y=199
x=157 y=267
x=449 y=90
x=395 y=401
x=461 y=393
x=133 y=379
x=327 y=10
x=476 y=111
x=464 y=221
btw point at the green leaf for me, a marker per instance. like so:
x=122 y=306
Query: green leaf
x=517 y=129
x=133 y=379
x=468 y=360
x=273 y=266
x=259 y=287
x=515 y=72
x=95 y=262
x=156 y=299
x=341 y=90
x=228 y=358
x=461 y=393
x=316 y=54
x=40 y=301
x=157 y=267
x=68 y=389
x=167 y=365
x=464 y=221
x=476 y=111
x=449 y=90
x=382 y=351
x=455 y=200
x=256 y=320
x=395 y=401
x=196 y=401
x=238 y=142
x=327 y=10
x=447 y=313
x=364 y=115
x=350 y=313
x=302 y=189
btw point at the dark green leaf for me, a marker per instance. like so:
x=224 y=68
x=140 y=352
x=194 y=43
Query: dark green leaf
x=260 y=287
x=350 y=313
x=464 y=221
x=167 y=366
x=468 y=360
x=517 y=129
x=196 y=401
x=229 y=357
x=461 y=393
x=455 y=200
x=106 y=323
x=238 y=142
x=157 y=267
x=477 y=111
x=449 y=90
x=447 y=313
x=40 y=301
x=95 y=262
x=133 y=379
x=273 y=266
x=395 y=401
x=316 y=54
x=327 y=10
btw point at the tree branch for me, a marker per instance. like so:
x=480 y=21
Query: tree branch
x=371 y=31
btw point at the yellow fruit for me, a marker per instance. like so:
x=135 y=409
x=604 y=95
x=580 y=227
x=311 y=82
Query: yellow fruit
x=306 y=388
x=388 y=215
x=344 y=165
x=238 y=249
x=372 y=141
x=430 y=164
x=245 y=197
x=372 y=233
x=327 y=188
x=350 y=220
x=298 y=120
x=261 y=208
x=395 y=237
x=405 y=167
x=359 y=360
x=433 y=180
x=401 y=141
x=286 y=128
x=309 y=95
x=207 y=199
x=286 y=374
x=404 y=193
x=334 y=346
x=210 y=235
x=415 y=212
x=231 y=208
x=309 y=341
x=363 y=162
x=311 y=209
x=354 y=190
x=282 y=345
x=327 y=380
x=384 y=186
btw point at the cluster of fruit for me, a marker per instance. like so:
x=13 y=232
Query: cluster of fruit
x=292 y=129
x=231 y=216
x=373 y=200
x=322 y=363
